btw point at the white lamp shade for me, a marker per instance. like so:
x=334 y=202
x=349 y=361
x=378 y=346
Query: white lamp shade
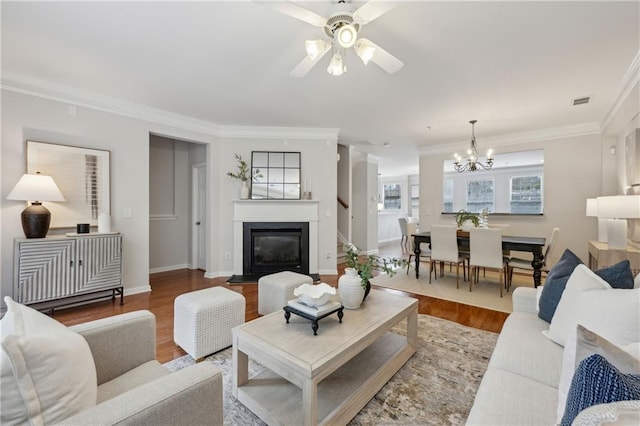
x=364 y=51
x=36 y=188
x=314 y=48
x=592 y=207
x=619 y=207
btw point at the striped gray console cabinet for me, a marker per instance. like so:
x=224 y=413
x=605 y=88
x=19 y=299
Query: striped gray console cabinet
x=58 y=271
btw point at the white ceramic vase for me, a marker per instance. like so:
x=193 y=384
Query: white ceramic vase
x=350 y=289
x=244 y=190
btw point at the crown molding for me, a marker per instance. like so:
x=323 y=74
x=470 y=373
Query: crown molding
x=96 y=101
x=518 y=138
x=629 y=81
x=329 y=134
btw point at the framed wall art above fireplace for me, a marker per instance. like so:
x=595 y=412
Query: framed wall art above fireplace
x=82 y=174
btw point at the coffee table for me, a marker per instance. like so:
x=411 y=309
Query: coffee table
x=328 y=378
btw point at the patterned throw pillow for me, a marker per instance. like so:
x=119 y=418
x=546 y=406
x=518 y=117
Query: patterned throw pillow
x=596 y=381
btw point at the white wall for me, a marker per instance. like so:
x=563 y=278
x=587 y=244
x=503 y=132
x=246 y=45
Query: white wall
x=36 y=118
x=388 y=226
x=569 y=181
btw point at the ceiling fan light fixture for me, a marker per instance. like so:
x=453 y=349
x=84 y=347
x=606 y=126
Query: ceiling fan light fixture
x=346 y=35
x=314 y=48
x=336 y=66
x=364 y=51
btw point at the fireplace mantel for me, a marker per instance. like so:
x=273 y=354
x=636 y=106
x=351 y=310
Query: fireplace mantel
x=275 y=211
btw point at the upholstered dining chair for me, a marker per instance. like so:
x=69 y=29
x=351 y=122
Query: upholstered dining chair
x=425 y=253
x=485 y=246
x=525 y=264
x=444 y=248
x=402 y=221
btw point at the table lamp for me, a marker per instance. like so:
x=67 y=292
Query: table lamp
x=36 y=188
x=618 y=209
x=592 y=211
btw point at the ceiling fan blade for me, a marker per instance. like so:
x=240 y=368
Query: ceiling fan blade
x=307 y=63
x=372 y=10
x=295 y=11
x=384 y=59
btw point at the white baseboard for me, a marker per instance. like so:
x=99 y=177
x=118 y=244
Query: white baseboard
x=170 y=268
x=328 y=271
x=137 y=290
x=217 y=274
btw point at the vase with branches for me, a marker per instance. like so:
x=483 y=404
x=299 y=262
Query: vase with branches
x=244 y=174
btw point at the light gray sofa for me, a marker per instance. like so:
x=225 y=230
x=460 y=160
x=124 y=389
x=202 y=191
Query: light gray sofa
x=520 y=386
x=134 y=388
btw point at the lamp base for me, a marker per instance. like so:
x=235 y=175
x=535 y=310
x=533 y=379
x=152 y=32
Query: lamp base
x=617 y=234
x=35 y=220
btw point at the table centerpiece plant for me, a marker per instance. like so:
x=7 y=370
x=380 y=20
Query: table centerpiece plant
x=463 y=216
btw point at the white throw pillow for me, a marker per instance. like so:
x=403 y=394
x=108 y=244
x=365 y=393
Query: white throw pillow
x=582 y=343
x=564 y=319
x=47 y=371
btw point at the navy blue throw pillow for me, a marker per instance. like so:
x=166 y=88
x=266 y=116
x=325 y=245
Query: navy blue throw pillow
x=555 y=283
x=618 y=275
x=596 y=381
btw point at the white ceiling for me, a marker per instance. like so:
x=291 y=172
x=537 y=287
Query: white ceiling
x=514 y=66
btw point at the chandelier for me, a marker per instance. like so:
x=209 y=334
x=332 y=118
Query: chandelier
x=472 y=162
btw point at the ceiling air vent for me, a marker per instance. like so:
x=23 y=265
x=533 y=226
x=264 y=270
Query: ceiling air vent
x=581 y=101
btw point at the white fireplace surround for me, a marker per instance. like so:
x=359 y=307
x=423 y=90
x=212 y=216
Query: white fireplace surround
x=275 y=211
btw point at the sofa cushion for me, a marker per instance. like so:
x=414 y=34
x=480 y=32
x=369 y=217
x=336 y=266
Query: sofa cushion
x=590 y=301
x=522 y=349
x=505 y=398
x=555 y=283
x=583 y=343
x=596 y=381
x=47 y=372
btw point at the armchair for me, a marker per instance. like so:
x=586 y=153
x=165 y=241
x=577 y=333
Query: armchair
x=132 y=387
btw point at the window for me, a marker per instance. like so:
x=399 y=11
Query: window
x=526 y=194
x=480 y=195
x=392 y=196
x=447 y=196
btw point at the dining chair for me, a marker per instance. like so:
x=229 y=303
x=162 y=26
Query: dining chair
x=403 y=229
x=525 y=264
x=444 y=248
x=486 y=252
x=425 y=253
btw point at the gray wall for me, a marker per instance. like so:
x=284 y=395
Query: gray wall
x=44 y=119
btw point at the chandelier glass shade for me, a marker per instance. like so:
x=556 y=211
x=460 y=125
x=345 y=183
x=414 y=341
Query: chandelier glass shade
x=472 y=162
x=314 y=48
x=336 y=66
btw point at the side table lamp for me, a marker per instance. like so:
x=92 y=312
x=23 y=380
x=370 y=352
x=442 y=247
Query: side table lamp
x=618 y=209
x=36 y=188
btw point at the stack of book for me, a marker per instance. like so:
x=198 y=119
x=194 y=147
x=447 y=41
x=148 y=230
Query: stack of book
x=315 y=311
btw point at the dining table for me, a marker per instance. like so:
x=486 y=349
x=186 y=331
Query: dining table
x=532 y=245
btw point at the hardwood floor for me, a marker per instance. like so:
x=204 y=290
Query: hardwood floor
x=168 y=285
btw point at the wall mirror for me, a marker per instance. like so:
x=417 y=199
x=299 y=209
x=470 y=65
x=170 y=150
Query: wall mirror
x=514 y=185
x=276 y=175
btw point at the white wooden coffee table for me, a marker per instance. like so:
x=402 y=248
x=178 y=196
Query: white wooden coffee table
x=328 y=378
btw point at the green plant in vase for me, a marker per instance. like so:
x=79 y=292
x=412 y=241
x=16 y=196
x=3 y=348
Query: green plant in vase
x=462 y=216
x=365 y=265
x=243 y=170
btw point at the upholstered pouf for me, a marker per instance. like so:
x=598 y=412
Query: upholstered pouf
x=203 y=320
x=276 y=289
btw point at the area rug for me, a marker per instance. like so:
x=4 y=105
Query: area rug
x=435 y=387
x=485 y=294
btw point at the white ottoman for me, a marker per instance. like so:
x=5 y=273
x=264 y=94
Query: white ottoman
x=203 y=320
x=276 y=289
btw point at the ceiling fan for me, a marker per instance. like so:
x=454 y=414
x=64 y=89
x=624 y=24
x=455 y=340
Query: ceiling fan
x=341 y=27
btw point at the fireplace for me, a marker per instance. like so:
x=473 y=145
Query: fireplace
x=270 y=247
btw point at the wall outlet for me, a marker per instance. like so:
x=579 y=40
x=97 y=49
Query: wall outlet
x=127 y=212
x=328 y=255
x=227 y=255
